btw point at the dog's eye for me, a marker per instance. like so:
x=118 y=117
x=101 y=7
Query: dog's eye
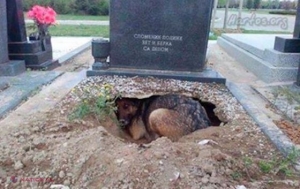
x=125 y=106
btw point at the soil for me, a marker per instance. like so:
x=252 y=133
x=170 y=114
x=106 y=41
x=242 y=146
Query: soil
x=291 y=129
x=50 y=150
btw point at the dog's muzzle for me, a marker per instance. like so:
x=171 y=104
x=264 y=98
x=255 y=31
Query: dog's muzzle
x=123 y=123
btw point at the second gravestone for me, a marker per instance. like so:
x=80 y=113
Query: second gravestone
x=153 y=37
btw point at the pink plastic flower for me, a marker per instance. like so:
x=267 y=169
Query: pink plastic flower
x=42 y=15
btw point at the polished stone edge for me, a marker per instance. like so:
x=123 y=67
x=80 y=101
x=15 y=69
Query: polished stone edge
x=206 y=76
x=12 y=68
x=22 y=87
x=268 y=127
x=45 y=66
x=287 y=45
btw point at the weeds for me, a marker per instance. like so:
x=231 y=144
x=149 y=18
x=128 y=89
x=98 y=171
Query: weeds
x=283 y=166
x=265 y=166
x=289 y=102
x=100 y=105
x=236 y=175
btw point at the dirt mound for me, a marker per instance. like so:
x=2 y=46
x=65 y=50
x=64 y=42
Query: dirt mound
x=86 y=153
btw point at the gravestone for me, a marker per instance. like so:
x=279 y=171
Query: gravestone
x=290 y=45
x=158 y=38
x=15 y=22
x=7 y=67
x=37 y=54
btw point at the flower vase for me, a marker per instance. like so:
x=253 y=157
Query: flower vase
x=43 y=32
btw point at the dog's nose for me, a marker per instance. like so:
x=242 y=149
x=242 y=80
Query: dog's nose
x=123 y=122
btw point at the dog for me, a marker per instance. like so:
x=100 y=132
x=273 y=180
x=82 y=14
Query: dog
x=169 y=115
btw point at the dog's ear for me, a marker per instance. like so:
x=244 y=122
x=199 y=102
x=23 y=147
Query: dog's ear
x=136 y=102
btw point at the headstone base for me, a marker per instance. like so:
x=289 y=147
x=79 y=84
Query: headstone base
x=37 y=54
x=287 y=45
x=206 y=76
x=48 y=65
x=12 y=68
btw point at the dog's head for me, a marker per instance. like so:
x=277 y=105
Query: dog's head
x=127 y=109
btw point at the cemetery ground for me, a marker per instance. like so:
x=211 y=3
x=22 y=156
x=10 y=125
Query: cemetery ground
x=41 y=147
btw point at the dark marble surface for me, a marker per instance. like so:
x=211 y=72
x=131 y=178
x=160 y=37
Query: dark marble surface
x=12 y=68
x=206 y=76
x=296 y=33
x=287 y=45
x=160 y=35
x=15 y=21
x=3 y=33
x=290 y=45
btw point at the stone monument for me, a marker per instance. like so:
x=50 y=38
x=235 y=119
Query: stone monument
x=36 y=53
x=290 y=45
x=7 y=67
x=163 y=38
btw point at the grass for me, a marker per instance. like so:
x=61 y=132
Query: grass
x=81 y=17
x=265 y=32
x=245 y=10
x=78 y=30
x=219 y=32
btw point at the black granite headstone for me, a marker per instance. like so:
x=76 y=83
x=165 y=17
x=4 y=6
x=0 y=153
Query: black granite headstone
x=290 y=45
x=7 y=67
x=166 y=39
x=159 y=35
x=15 y=21
x=37 y=54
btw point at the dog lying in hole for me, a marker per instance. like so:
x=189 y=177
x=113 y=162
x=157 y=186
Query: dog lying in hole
x=169 y=115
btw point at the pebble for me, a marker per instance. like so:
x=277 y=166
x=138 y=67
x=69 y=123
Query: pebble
x=67 y=182
x=68 y=136
x=18 y=165
x=119 y=161
x=61 y=174
x=37 y=141
x=27 y=160
x=204 y=180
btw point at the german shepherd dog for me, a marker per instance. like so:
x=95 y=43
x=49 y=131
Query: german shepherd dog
x=169 y=115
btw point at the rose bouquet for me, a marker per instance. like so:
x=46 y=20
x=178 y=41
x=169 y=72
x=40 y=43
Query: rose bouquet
x=43 y=17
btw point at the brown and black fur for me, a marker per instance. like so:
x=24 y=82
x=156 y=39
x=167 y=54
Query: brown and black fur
x=170 y=115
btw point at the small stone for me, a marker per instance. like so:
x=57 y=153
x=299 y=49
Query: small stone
x=204 y=180
x=37 y=141
x=61 y=174
x=18 y=165
x=68 y=136
x=27 y=160
x=241 y=187
x=296 y=183
x=22 y=139
x=84 y=178
x=119 y=161
x=214 y=180
x=36 y=129
x=67 y=182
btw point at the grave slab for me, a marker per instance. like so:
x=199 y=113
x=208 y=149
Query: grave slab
x=22 y=87
x=256 y=53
